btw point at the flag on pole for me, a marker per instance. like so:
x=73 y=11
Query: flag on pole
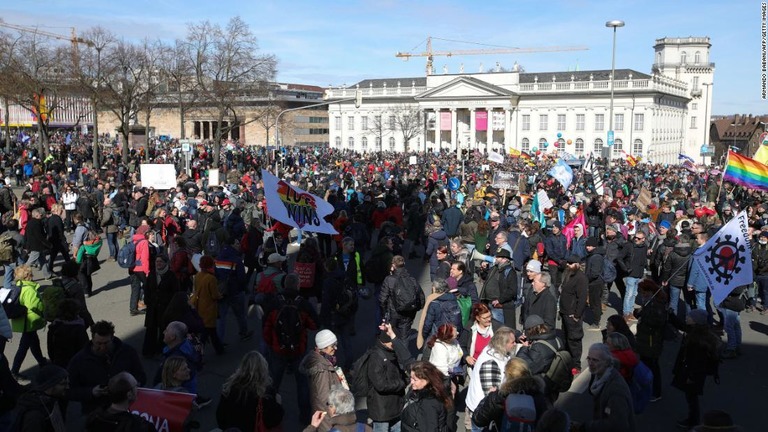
x=683 y=157
x=537 y=213
x=562 y=173
x=746 y=172
x=725 y=260
x=514 y=152
x=597 y=178
x=690 y=166
x=295 y=207
x=568 y=231
x=631 y=160
x=761 y=155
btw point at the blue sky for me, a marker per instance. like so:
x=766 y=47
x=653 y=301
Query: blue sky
x=340 y=42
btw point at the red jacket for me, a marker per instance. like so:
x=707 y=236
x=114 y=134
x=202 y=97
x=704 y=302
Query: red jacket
x=142 y=255
x=272 y=338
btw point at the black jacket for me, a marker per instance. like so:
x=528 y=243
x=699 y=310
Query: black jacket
x=543 y=304
x=33 y=413
x=573 y=297
x=491 y=408
x=652 y=320
x=467 y=287
x=106 y=420
x=538 y=356
x=65 y=339
x=423 y=413
x=675 y=267
x=594 y=267
x=194 y=240
x=389 y=289
x=34 y=237
x=233 y=412
x=55 y=229
x=634 y=260
x=387 y=379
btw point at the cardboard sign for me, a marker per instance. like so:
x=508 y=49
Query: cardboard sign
x=306 y=272
x=505 y=179
x=643 y=200
x=158 y=176
x=164 y=409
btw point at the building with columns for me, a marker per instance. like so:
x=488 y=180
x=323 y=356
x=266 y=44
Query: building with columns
x=656 y=116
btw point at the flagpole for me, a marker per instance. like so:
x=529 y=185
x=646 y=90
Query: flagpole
x=722 y=177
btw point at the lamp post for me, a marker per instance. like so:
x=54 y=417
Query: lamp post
x=609 y=142
x=706 y=123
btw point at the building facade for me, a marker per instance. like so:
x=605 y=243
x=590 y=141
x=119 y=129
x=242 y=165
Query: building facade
x=656 y=116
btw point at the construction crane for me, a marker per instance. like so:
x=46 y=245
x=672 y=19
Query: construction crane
x=74 y=39
x=429 y=54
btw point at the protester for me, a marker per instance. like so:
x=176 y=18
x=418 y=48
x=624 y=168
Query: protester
x=40 y=409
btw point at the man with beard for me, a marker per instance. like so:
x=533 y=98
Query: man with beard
x=573 y=300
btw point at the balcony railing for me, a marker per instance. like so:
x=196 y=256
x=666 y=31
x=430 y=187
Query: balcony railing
x=348 y=92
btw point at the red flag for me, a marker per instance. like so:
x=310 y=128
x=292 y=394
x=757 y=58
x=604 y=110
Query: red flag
x=568 y=228
x=164 y=409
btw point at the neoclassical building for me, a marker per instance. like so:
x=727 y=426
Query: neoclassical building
x=656 y=115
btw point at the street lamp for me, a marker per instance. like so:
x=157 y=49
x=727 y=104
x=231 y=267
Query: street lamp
x=706 y=123
x=609 y=141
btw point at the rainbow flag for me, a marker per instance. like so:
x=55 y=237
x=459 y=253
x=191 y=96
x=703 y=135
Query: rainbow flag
x=746 y=172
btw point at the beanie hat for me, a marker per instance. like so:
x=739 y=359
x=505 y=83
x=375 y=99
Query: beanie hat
x=592 y=241
x=324 y=339
x=49 y=376
x=534 y=266
x=665 y=224
x=533 y=321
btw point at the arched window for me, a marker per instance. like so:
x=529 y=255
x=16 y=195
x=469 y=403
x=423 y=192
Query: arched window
x=338 y=142
x=598 y=149
x=637 y=148
x=391 y=143
x=683 y=57
x=525 y=145
x=365 y=144
x=541 y=143
x=697 y=57
x=561 y=143
x=579 y=147
x=378 y=143
x=618 y=148
x=351 y=143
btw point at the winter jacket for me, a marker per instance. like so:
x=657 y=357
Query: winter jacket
x=88 y=370
x=389 y=291
x=614 y=249
x=423 y=412
x=627 y=362
x=108 y=221
x=65 y=339
x=612 y=410
x=451 y=220
x=387 y=384
x=5 y=326
x=555 y=247
x=634 y=260
x=501 y=281
x=35 y=238
x=194 y=360
x=759 y=259
x=579 y=247
x=446 y=357
x=594 y=267
x=322 y=377
x=538 y=356
x=652 y=320
x=444 y=307
x=229 y=261
x=467 y=231
x=54 y=228
x=466 y=286
x=271 y=328
x=194 y=240
x=573 y=298
x=205 y=298
x=675 y=267
x=34 y=409
x=30 y=299
x=491 y=409
x=141 y=265
x=521 y=249
x=105 y=419
x=696 y=278
x=433 y=242
x=136 y=211
x=233 y=412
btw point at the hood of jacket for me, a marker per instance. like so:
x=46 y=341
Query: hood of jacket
x=600 y=250
x=683 y=249
x=315 y=363
x=138 y=237
x=35 y=400
x=526 y=385
x=439 y=235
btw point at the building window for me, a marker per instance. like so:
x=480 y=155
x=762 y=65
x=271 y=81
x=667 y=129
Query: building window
x=364 y=125
x=695 y=83
x=392 y=142
x=338 y=142
x=526 y=145
x=351 y=142
x=378 y=143
x=683 y=57
x=599 y=122
x=365 y=143
x=351 y=123
x=526 y=122
x=560 y=143
x=337 y=120
x=580 y=122
x=693 y=122
x=618 y=148
x=541 y=143
x=377 y=122
x=697 y=57
x=637 y=148
x=618 y=122
x=561 y=122
x=598 y=149
x=694 y=106
x=579 y=147
x=639 y=120
x=391 y=122
x=543 y=120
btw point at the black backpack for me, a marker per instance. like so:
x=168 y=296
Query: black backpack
x=289 y=326
x=361 y=385
x=12 y=304
x=408 y=295
x=346 y=300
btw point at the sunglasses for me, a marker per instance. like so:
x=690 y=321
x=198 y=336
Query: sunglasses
x=639 y=238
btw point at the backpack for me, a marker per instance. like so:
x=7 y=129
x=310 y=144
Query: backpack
x=267 y=284
x=608 y=275
x=51 y=297
x=519 y=413
x=449 y=315
x=126 y=256
x=117 y=218
x=227 y=283
x=6 y=247
x=558 y=376
x=409 y=297
x=346 y=300
x=12 y=304
x=212 y=246
x=641 y=387
x=361 y=385
x=289 y=326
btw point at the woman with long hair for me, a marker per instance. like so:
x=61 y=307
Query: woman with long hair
x=247 y=397
x=175 y=373
x=427 y=403
x=446 y=355
x=617 y=324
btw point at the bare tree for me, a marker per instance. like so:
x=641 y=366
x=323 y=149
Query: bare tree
x=267 y=119
x=227 y=67
x=7 y=48
x=153 y=51
x=408 y=120
x=177 y=72
x=379 y=128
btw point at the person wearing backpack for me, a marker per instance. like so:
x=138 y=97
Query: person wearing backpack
x=11 y=242
x=401 y=297
x=30 y=323
x=651 y=323
x=139 y=271
x=539 y=347
x=444 y=309
x=110 y=223
x=36 y=242
x=230 y=272
x=594 y=272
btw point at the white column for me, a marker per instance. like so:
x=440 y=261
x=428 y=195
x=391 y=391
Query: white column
x=507 y=134
x=472 y=131
x=454 y=125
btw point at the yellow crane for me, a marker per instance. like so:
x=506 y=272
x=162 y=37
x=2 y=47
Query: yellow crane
x=74 y=39
x=430 y=54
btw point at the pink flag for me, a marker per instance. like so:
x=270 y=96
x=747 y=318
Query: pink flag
x=568 y=228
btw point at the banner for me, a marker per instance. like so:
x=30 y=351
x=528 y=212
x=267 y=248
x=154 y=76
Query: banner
x=164 y=409
x=481 y=120
x=505 y=180
x=498 y=120
x=213 y=177
x=158 y=176
x=562 y=173
x=495 y=157
x=568 y=228
x=446 y=120
x=544 y=202
x=725 y=260
x=295 y=207
x=413 y=160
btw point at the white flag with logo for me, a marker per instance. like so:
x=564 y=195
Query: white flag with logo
x=296 y=207
x=726 y=259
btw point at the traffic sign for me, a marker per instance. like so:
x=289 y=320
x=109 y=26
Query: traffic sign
x=610 y=138
x=454 y=183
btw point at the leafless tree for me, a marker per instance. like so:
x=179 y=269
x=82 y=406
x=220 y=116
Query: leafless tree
x=227 y=66
x=177 y=73
x=409 y=122
x=153 y=51
x=267 y=119
x=380 y=127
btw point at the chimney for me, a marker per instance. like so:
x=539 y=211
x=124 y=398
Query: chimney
x=736 y=119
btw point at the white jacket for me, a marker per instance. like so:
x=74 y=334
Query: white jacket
x=446 y=356
x=69 y=199
x=475 y=392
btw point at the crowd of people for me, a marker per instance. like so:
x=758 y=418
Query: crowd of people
x=497 y=334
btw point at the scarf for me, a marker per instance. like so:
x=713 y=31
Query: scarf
x=488 y=332
x=160 y=272
x=597 y=383
x=331 y=358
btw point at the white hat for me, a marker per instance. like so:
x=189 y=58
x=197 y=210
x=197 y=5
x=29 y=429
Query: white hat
x=324 y=339
x=275 y=258
x=534 y=266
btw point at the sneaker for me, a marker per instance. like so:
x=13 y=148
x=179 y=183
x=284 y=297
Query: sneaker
x=138 y=312
x=594 y=327
x=246 y=336
x=201 y=402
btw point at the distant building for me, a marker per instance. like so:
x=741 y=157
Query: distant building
x=656 y=116
x=739 y=132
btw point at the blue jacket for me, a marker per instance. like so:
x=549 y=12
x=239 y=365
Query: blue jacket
x=228 y=255
x=452 y=218
x=433 y=242
x=442 y=310
x=556 y=247
x=521 y=250
x=696 y=278
x=194 y=361
x=579 y=247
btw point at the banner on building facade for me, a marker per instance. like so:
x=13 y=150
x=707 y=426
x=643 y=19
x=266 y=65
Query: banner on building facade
x=481 y=120
x=446 y=120
x=505 y=179
x=431 y=120
x=296 y=207
x=498 y=120
x=166 y=410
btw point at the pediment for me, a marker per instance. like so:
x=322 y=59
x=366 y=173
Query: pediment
x=465 y=88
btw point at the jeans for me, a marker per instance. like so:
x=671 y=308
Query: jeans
x=28 y=342
x=58 y=248
x=278 y=366
x=674 y=299
x=137 y=283
x=630 y=294
x=114 y=248
x=236 y=301
x=732 y=328
x=498 y=314
x=762 y=288
x=386 y=426
x=8 y=278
